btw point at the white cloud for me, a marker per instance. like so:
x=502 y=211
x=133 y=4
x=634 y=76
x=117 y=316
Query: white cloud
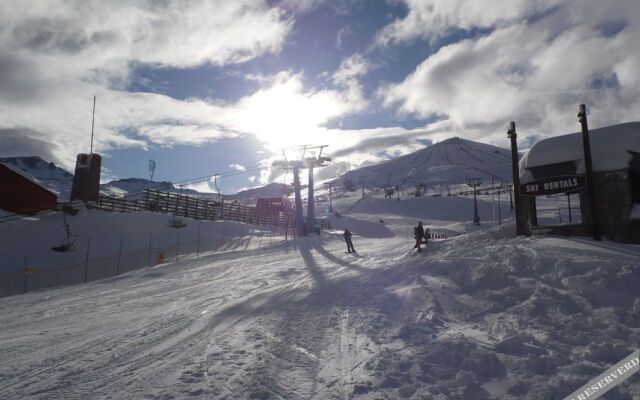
x=54 y=56
x=237 y=167
x=432 y=19
x=90 y=35
x=300 y=5
x=351 y=69
x=533 y=72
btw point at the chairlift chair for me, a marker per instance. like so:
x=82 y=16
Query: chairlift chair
x=177 y=223
x=68 y=242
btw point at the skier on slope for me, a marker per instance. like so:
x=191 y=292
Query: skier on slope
x=418 y=233
x=347 y=238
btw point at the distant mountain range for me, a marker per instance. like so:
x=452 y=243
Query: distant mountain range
x=46 y=173
x=451 y=161
x=60 y=181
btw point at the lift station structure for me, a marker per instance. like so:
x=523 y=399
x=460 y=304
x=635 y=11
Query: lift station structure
x=296 y=166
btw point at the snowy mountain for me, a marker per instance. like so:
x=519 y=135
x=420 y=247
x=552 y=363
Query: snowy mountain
x=133 y=188
x=271 y=190
x=448 y=162
x=46 y=173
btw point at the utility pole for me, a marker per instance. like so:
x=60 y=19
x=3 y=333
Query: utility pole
x=588 y=172
x=474 y=183
x=93 y=117
x=520 y=222
x=330 y=184
x=493 y=201
x=499 y=204
x=362 y=180
x=511 y=199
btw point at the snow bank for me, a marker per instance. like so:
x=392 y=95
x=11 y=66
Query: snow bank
x=360 y=228
x=433 y=208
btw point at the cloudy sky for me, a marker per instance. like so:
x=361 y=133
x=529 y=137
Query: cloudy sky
x=212 y=86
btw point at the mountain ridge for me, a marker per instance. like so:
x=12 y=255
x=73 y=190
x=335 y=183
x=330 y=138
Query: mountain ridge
x=450 y=161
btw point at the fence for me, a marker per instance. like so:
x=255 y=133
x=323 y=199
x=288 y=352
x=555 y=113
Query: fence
x=31 y=277
x=196 y=208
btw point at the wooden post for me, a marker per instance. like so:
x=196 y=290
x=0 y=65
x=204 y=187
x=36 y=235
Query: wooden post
x=149 y=260
x=86 y=260
x=588 y=173
x=119 y=256
x=198 y=250
x=26 y=273
x=521 y=228
x=560 y=215
x=178 y=245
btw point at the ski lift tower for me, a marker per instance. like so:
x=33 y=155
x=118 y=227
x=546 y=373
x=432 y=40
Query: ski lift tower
x=474 y=183
x=311 y=163
x=295 y=166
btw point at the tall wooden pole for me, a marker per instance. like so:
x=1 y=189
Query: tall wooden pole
x=86 y=260
x=588 y=172
x=520 y=222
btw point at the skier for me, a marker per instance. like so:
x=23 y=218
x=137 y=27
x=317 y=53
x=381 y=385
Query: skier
x=418 y=233
x=347 y=238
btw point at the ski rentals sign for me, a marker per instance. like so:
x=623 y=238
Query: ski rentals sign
x=554 y=185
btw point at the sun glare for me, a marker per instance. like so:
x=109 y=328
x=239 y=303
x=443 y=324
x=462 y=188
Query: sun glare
x=284 y=116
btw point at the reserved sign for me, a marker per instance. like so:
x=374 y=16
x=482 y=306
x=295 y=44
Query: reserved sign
x=554 y=185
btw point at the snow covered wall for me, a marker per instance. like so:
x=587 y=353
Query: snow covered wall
x=147 y=238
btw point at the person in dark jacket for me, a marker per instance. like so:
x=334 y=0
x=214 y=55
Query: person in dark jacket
x=418 y=233
x=347 y=238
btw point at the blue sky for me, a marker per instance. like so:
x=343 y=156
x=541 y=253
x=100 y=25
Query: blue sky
x=210 y=86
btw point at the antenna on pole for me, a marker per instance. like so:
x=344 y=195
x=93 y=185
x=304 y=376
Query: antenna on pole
x=152 y=169
x=93 y=117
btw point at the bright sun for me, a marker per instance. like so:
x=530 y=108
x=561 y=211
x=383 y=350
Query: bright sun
x=284 y=116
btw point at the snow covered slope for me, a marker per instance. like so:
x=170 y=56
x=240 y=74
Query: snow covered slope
x=448 y=162
x=482 y=315
x=458 y=322
x=270 y=190
x=47 y=174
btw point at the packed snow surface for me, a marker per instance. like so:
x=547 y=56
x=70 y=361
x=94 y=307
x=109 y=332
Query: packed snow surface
x=476 y=316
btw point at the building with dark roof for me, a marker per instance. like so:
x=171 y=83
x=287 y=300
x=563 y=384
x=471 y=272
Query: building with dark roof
x=21 y=194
